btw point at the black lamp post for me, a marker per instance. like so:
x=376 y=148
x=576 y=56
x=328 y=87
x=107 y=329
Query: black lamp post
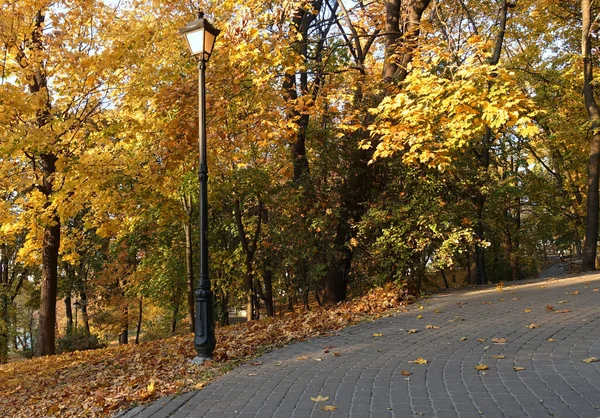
x=201 y=36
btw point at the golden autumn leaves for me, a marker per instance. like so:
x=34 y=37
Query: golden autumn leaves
x=441 y=111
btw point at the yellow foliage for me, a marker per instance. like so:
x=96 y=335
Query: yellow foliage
x=438 y=112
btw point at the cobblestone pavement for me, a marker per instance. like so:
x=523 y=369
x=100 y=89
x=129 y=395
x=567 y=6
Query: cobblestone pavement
x=368 y=376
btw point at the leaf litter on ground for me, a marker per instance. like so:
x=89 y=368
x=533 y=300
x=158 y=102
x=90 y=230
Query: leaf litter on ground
x=99 y=383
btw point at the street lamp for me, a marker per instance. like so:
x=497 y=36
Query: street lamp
x=201 y=36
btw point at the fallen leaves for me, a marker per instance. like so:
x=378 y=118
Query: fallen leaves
x=329 y=408
x=320 y=398
x=481 y=366
x=533 y=326
x=518 y=368
x=419 y=316
x=412 y=331
x=101 y=382
x=420 y=360
x=431 y=327
x=528 y=310
x=499 y=356
x=378 y=334
x=405 y=373
x=590 y=360
x=151 y=387
x=576 y=292
x=499 y=340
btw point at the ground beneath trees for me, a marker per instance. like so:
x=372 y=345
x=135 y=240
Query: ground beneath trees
x=101 y=382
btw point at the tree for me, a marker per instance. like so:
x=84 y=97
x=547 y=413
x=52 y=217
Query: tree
x=593 y=165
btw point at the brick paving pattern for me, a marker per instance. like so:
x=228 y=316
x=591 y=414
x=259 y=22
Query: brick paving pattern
x=366 y=380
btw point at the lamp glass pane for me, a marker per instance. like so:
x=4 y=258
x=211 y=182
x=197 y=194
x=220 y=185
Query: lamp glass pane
x=209 y=41
x=196 y=41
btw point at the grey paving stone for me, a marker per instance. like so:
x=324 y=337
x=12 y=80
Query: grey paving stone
x=366 y=380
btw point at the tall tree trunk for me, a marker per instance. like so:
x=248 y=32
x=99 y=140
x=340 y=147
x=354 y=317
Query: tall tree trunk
x=267 y=296
x=4 y=329
x=249 y=247
x=301 y=22
x=403 y=23
x=83 y=300
x=336 y=280
x=174 y=318
x=124 y=324
x=4 y=301
x=591 y=227
x=446 y=285
x=189 y=259
x=51 y=238
x=47 y=316
x=69 y=314
x=256 y=301
x=139 y=321
x=124 y=321
x=248 y=285
x=224 y=314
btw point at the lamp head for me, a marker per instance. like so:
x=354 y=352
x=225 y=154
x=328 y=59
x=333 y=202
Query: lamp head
x=201 y=36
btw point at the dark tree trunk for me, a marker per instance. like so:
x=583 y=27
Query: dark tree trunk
x=302 y=20
x=4 y=328
x=446 y=285
x=268 y=293
x=124 y=323
x=69 y=314
x=249 y=248
x=256 y=304
x=47 y=316
x=139 y=321
x=591 y=226
x=290 y=301
x=174 y=318
x=336 y=281
x=83 y=300
x=318 y=298
x=480 y=270
x=305 y=298
x=51 y=238
x=224 y=317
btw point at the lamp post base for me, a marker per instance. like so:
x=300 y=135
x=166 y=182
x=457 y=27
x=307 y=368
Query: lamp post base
x=204 y=339
x=198 y=361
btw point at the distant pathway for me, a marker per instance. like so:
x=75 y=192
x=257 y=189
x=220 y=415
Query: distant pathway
x=365 y=378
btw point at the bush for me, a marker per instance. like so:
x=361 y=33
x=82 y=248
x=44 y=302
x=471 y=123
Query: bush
x=78 y=341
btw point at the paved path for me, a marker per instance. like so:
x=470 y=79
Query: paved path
x=367 y=379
